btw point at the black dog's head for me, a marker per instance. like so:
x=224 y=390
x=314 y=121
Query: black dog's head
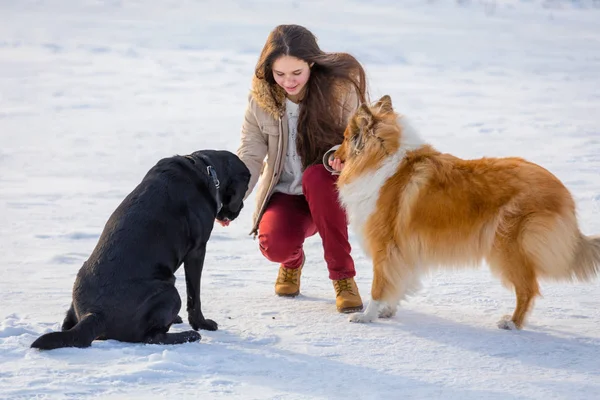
x=230 y=175
x=234 y=188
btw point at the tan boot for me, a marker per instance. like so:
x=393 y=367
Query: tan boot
x=347 y=298
x=288 y=281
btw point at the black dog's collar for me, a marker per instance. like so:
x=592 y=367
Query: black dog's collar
x=210 y=170
x=213 y=174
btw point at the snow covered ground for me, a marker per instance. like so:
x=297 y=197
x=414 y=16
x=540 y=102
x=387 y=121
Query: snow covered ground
x=93 y=93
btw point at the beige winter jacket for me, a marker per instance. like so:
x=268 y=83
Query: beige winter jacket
x=265 y=134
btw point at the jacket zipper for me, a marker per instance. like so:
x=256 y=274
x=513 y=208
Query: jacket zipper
x=273 y=181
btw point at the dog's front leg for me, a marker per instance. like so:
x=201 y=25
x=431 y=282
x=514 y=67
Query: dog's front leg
x=370 y=314
x=193 y=264
x=379 y=289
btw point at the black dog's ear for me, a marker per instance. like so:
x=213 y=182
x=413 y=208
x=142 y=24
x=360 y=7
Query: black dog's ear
x=234 y=197
x=236 y=190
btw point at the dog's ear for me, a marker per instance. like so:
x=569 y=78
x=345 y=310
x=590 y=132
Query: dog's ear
x=364 y=117
x=363 y=120
x=233 y=200
x=234 y=194
x=385 y=104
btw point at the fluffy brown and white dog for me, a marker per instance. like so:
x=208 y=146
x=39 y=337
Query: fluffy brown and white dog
x=416 y=209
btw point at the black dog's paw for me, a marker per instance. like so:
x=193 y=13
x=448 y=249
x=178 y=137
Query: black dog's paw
x=202 y=323
x=178 y=320
x=209 y=325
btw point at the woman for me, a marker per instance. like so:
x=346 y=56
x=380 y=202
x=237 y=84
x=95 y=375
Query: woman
x=299 y=105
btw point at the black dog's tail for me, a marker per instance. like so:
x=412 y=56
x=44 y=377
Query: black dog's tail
x=81 y=335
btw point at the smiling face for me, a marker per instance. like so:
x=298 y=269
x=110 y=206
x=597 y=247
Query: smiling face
x=292 y=75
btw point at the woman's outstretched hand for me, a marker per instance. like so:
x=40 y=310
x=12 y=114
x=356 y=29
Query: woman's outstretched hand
x=336 y=164
x=223 y=223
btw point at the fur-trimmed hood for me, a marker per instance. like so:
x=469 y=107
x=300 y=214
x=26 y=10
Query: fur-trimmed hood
x=270 y=98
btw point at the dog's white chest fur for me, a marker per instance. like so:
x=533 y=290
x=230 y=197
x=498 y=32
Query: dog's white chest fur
x=360 y=196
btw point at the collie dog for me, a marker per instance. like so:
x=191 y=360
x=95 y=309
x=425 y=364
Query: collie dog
x=415 y=209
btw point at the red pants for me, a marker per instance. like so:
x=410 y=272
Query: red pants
x=289 y=219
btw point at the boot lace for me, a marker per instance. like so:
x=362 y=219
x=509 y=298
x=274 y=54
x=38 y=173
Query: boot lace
x=343 y=285
x=287 y=275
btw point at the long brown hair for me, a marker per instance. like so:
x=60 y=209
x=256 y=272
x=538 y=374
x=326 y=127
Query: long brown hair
x=320 y=124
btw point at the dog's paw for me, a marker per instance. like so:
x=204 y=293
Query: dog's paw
x=209 y=325
x=206 y=324
x=360 y=318
x=387 y=312
x=178 y=320
x=191 y=336
x=507 y=323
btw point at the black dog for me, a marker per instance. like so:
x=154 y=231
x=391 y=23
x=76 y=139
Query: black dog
x=126 y=289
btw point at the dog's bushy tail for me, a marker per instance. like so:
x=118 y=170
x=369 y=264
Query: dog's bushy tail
x=81 y=335
x=586 y=264
x=559 y=249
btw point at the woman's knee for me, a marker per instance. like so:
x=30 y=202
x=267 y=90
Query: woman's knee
x=283 y=228
x=279 y=248
x=317 y=176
